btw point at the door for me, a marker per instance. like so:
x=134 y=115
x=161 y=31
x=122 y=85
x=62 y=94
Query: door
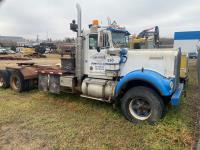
x=97 y=54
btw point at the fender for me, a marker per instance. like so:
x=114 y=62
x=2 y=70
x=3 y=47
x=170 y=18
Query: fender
x=161 y=83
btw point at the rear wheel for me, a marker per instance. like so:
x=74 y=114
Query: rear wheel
x=142 y=104
x=17 y=82
x=4 y=79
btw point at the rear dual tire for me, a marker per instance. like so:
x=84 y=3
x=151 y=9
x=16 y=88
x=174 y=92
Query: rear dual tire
x=19 y=84
x=142 y=104
x=4 y=78
x=17 y=81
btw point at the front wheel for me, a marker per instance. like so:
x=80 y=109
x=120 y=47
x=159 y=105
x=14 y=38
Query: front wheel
x=142 y=104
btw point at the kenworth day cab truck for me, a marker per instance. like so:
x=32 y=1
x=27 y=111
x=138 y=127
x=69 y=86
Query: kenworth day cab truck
x=103 y=68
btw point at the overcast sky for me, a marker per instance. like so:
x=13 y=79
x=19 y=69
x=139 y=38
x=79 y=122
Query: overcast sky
x=51 y=18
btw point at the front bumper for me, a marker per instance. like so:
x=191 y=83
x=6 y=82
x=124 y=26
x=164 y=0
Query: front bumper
x=176 y=97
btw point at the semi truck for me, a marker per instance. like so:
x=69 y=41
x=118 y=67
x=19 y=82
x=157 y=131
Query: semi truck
x=103 y=68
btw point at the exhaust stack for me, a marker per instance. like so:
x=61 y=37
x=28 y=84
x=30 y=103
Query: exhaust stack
x=79 y=19
x=79 y=52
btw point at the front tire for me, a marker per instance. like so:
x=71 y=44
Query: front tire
x=142 y=104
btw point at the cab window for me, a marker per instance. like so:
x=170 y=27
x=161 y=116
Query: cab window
x=120 y=40
x=93 y=39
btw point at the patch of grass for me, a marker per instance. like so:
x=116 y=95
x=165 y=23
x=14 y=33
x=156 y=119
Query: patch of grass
x=69 y=122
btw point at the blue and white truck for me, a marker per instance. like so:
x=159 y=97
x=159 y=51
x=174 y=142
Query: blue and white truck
x=142 y=82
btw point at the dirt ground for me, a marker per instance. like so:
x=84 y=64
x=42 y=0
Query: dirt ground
x=37 y=120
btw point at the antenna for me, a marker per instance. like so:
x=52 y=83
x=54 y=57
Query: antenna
x=109 y=21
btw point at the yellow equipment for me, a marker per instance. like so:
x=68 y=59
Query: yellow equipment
x=141 y=43
x=184 y=68
x=27 y=51
x=147 y=39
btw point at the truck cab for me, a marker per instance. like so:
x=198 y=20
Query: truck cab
x=101 y=48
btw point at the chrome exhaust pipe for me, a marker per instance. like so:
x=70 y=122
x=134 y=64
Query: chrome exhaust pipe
x=79 y=49
x=79 y=19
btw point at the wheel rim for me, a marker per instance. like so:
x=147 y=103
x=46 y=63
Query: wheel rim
x=1 y=81
x=15 y=83
x=140 y=108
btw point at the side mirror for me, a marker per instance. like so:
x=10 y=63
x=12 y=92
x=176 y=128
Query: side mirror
x=74 y=26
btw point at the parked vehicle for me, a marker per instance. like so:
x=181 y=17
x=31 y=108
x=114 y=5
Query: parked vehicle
x=9 y=51
x=192 y=55
x=104 y=69
x=38 y=48
x=3 y=51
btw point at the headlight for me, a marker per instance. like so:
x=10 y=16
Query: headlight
x=171 y=84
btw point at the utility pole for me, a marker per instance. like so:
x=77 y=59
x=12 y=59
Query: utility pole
x=47 y=36
x=37 y=39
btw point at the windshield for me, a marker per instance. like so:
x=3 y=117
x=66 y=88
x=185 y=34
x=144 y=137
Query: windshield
x=120 y=40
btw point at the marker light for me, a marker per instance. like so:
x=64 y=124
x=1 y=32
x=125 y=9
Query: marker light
x=95 y=22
